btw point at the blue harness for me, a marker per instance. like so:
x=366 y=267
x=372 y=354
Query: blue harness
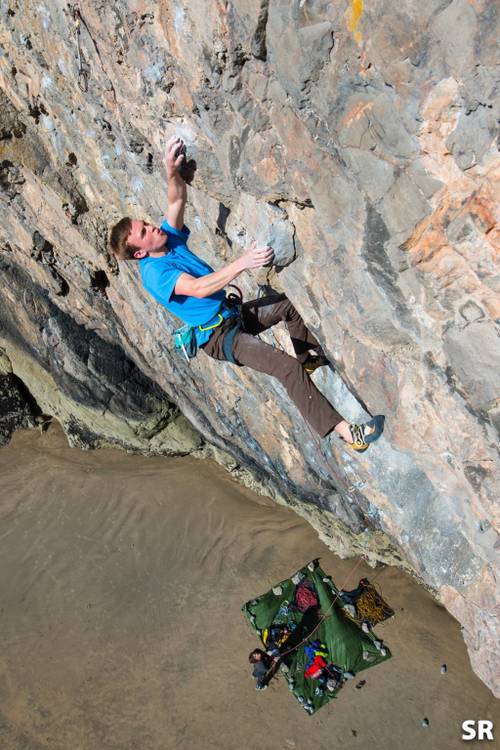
x=185 y=336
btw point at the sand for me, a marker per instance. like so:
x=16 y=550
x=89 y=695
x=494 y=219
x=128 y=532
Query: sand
x=121 y=581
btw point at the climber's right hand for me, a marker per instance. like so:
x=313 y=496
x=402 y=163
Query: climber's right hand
x=175 y=153
x=256 y=257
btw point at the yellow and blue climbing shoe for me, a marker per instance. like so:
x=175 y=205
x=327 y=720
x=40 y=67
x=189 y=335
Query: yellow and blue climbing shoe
x=366 y=433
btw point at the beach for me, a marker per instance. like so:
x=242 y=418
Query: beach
x=121 y=583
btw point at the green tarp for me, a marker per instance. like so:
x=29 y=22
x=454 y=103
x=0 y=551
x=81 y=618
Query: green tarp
x=349 y=647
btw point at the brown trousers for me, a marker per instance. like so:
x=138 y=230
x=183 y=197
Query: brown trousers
x=250 y=351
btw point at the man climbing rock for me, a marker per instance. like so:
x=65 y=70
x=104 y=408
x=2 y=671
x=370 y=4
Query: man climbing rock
x=192 y=291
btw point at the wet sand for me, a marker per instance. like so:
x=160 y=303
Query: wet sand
x=121 y=582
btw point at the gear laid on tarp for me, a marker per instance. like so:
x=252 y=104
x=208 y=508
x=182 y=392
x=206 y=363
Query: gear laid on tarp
x=321 y=645
x=365 y=605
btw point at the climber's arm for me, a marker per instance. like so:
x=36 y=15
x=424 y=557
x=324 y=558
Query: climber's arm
x=177 y=190
x=190 y=286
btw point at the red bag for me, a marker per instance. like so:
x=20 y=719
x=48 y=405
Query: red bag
x=305 y=597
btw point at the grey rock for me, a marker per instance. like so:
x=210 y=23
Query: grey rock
x=473 y=136
x=403 y=207
x=474 y=355
x=343 y=147
x=375 y=175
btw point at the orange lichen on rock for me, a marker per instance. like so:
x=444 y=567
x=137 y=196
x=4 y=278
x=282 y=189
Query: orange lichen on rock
x=463 y=265
x=356 y=112
x=456 y=245
x=353 y=17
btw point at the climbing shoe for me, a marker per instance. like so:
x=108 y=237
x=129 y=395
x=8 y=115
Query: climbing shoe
x=366 y=433
x=314 y=361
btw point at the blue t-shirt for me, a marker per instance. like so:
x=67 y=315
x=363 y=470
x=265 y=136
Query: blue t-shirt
x=159 y=276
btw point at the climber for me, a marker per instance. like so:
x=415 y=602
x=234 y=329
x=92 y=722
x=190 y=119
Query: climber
x=191 y=290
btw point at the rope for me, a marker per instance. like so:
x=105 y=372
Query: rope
x=371 y=607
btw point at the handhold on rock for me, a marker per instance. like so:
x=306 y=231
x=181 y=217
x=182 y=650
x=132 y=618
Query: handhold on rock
x=188 y=169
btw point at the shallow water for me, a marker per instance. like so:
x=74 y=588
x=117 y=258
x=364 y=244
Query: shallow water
x=121 y=582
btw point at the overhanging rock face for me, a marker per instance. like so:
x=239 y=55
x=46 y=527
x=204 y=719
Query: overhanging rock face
x=356 y=138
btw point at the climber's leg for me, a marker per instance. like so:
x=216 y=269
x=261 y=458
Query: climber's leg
x=250 y=351
x=258 y=315
x=261 y=314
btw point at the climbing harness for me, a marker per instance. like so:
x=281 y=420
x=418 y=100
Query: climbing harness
x=220 y=319
x=228 y=340
x=185 y=336
x=234 y=301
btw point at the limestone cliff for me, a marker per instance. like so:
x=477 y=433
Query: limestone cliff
x=358 y=139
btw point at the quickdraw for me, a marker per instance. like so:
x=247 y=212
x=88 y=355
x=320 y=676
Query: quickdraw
x=83 y=66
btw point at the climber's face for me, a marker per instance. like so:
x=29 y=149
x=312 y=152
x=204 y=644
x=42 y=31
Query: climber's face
x=147 y=238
